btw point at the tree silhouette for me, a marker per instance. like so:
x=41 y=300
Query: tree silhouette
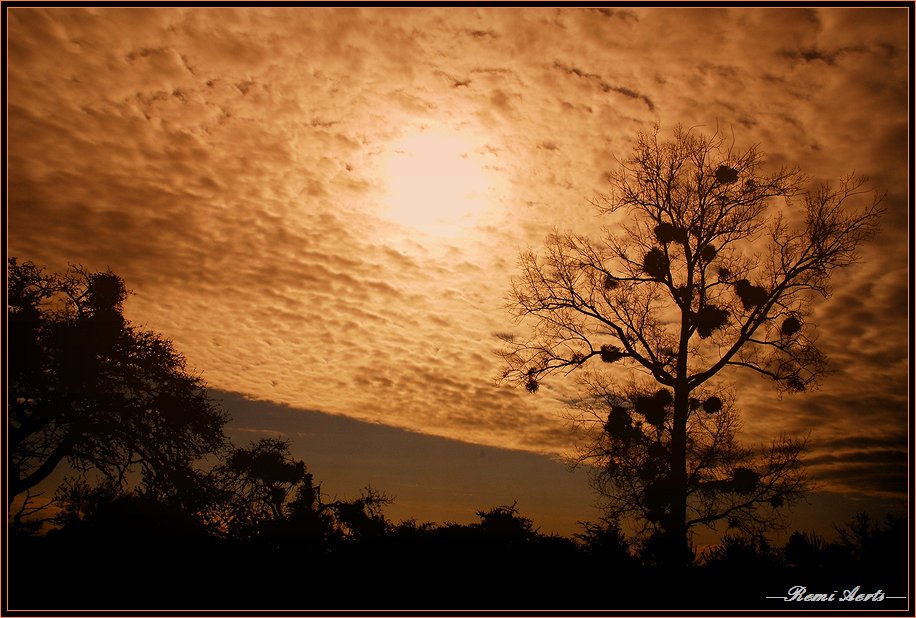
x=360 y=519
x=606 y=542
x=258 y=482
x=87 y=387
x=713 y=263
x=264 y=492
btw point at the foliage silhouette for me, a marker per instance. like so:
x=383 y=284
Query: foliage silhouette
x=150 y=554
x=255 y=484
x=704 y=270
x=605 y=543
x=87 y=387
x=107 y=512
x=878 y=548
x=265 y=496
x=742 y=552
x=807 y=551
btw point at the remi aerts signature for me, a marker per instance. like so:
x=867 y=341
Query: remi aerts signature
x=800 y=593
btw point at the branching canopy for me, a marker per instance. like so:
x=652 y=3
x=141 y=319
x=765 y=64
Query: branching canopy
x=714 y=260
x=88 y=388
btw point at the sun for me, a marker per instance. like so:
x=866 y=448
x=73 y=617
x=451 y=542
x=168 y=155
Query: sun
x=436 y=182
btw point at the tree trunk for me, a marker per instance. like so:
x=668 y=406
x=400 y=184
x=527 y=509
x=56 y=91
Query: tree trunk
x=677 y=523
x=17 y=484
x=676 y=532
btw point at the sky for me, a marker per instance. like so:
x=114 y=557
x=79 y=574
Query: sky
x=323 y=208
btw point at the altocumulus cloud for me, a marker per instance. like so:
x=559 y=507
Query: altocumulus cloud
x=228 y=163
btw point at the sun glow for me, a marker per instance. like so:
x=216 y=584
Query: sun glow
x=436 y=182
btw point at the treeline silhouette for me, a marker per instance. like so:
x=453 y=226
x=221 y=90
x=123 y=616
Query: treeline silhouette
x=160 y=510
x=131 y=551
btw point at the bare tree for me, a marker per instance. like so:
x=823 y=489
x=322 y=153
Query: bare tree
x=713 y=262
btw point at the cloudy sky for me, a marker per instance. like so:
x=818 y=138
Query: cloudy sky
x=323 y=207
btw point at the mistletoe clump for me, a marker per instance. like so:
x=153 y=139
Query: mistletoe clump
x=726 y=175
x=710 y=318
x=751 y=295
x=712 y=405
x=611 y=353
x=654 y=407
x=790 y=326
x=656 y=263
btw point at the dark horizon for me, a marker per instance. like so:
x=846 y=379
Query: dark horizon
x=320 y=438
x=446 y=480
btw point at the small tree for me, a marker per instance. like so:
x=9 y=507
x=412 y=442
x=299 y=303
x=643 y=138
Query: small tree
x=257 y=484
x=705 y=270
x=268 y=494
x=88 y=388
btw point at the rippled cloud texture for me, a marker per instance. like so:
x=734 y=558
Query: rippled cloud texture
x=233 y=166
